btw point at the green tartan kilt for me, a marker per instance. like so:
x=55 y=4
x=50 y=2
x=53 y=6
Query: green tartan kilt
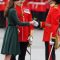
x=10 y=42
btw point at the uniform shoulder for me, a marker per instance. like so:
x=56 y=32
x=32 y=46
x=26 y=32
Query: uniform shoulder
x=54 y=6
x=12 y=10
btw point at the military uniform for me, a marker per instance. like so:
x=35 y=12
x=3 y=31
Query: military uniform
x=52 y=24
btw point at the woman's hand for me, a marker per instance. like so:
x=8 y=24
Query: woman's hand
x=31 y=22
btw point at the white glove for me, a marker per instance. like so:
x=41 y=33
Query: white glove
x=35 y=23
x=51 y=42
x=30 y=38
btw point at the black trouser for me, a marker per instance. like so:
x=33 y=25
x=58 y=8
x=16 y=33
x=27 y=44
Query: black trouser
x=53 y=51
x=23 y=48
x=47 y=51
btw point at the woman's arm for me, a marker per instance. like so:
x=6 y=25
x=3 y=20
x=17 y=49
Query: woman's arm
x=16 y=20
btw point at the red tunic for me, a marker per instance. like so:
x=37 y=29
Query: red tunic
x=47 y=30
x=3 y=4
x=24 y=15
x=52 y=19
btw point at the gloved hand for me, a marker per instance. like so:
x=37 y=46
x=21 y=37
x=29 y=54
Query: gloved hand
x=35 y=23
x=30 y=38
x=51 y=42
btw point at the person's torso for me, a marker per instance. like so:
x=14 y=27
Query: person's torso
x=23 y=15
x=10 y=18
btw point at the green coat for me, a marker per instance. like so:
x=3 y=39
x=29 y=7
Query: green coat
x=10 y=41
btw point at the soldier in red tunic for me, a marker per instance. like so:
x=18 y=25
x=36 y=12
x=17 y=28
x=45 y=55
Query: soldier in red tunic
x=51 y=28
x=24 y=15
